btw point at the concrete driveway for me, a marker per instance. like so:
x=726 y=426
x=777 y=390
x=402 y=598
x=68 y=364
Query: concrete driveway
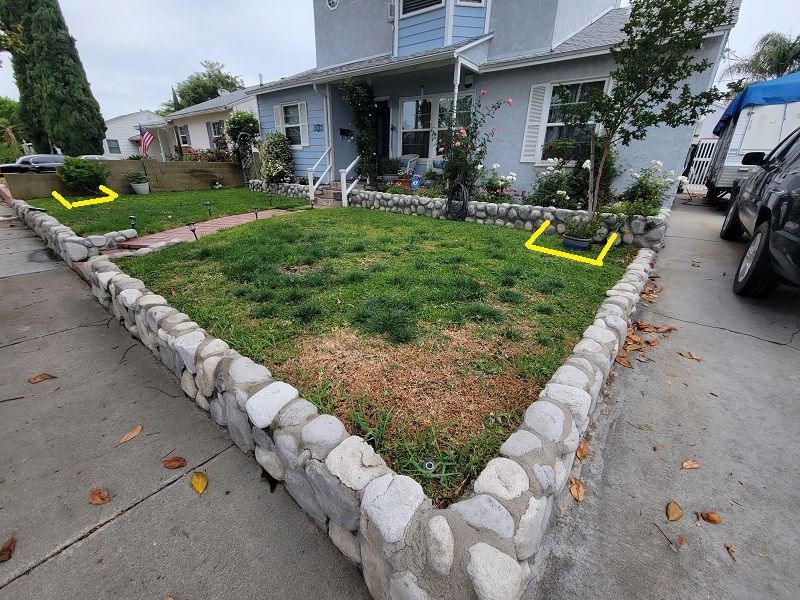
x=737 y=412
x=59 y=439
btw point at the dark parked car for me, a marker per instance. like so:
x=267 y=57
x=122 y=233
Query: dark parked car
x=766 y=205
x=34 y=163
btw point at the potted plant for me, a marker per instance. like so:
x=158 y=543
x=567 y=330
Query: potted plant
x=579 y=233
x=389 y=169
x=139 y=182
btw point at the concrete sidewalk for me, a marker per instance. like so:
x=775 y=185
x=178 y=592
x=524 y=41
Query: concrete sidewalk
x=736 y=412
x=58 y=440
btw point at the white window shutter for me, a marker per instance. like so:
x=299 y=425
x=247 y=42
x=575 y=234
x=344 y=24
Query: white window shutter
x=532 y=143
x=303 y=124
x=277 y=111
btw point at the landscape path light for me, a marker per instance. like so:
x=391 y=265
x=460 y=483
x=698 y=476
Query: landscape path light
x=132 y=221
x=208 y=207
x=193 y=228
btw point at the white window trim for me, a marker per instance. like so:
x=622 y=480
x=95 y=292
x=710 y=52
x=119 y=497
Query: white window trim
x=302 y=110
x=481 y=3
x=108 y=145
x=544 y=123
x=188 y=135
x=434 y=99
x=422 y=10
x=222 y=133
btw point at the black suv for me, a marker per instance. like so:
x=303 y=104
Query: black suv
x=767 y=206
x=34 y=163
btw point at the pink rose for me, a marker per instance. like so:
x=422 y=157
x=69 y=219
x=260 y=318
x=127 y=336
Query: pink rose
x=463 y=133
x=441 y=150
x=510 y=102
x=484 y=92
x=458 y=144
x=494 y=130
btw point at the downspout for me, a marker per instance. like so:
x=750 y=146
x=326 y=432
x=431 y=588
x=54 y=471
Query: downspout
x=396 y=26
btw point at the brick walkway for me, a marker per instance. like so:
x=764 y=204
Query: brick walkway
x=204 y=228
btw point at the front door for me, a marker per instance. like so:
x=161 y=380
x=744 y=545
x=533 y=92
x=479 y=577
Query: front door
x=384 y=124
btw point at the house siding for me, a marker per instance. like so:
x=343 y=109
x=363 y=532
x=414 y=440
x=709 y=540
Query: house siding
x=666 y=144
x=304 y=158
x=363 y=20
x=522 y=27
x=122 y=128
x=198 y=131
x=421 y=32
x=574 y=15
x=468 y=22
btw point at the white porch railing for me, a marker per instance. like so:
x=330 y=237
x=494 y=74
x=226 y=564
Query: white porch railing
x=343 y=174
x=312 y=186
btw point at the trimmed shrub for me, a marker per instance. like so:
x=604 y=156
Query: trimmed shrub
x=277 y=162
x=83 y=176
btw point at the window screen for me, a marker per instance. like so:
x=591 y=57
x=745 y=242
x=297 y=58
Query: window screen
x=410 y=6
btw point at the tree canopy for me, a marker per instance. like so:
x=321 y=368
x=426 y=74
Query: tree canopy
x=56 y=102
x=774 y=55
x=201 y=86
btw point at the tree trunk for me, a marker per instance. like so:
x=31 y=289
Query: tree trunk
x=596 y=199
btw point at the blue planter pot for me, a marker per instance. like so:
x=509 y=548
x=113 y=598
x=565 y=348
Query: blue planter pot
x=576 y=243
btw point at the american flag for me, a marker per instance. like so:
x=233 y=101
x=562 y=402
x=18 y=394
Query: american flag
x=145 y=139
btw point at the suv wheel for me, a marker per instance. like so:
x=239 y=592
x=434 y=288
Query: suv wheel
x=755 y=276
x=732 y=228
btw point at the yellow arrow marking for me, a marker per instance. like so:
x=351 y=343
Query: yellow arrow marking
x=110 y=196
x=597 y=262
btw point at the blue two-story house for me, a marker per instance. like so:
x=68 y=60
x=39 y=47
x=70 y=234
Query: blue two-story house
x=422 y=55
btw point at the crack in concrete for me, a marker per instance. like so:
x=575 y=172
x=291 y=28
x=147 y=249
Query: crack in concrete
x=38 y=337
x=99 y=526
x=787 y=344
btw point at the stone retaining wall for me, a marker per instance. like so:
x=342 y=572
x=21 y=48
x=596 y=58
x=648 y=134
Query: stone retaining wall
x=643 y=232
x=293 y=190
x=479 y=547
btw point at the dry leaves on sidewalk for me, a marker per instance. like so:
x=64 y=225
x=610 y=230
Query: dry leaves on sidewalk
x=41 y=377
x=622 y=359
x=582 y=451
x=131 y=434
x=199 y=481
x=98 y=497
x=691 y=355
x=576 y=489
x=7 y=550
x=650 y=328
x=710 y=517
x=690 y=464
x=674 y=511
x=174 y=462
x=731 y=551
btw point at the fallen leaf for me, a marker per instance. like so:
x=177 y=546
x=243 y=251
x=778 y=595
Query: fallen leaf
x=655 y=448
x=7 y=551
x=674 y=511
x=669 y=382
x=174 y=462
x=643 y=358
x=199 y=481
x=582 y=451
x=681 y=540
x=761 y=555
x=41 y=377
x=691 y=355
x=731 y=551
x=98 y=497
x=690 y=464
x=576 y=489
x=131 y=434
x=695 y=263
x=636 y=339
x=621 y=360
x=711 y=517
x=168 y=597
x=652 y=341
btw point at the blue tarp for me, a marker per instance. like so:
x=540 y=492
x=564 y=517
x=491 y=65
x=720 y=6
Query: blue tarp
x=782 y=90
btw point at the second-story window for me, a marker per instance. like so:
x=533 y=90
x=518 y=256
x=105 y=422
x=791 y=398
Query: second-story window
x=413 y=6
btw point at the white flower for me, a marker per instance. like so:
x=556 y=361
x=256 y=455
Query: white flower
x=671 y=173
x=512 y=174
x=684 y=180
x=550 y=169
x=635 y=175
x=480 y=167
x=587 y=165
x=496 y=166
x=561 y=193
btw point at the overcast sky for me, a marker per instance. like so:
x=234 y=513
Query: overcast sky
x=134 y=51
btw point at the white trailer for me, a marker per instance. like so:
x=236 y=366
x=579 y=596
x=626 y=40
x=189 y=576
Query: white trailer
x=755 y=129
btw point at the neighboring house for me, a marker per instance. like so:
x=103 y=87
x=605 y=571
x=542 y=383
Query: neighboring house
x=122 y=135
x=421 y=55
x=199 y=125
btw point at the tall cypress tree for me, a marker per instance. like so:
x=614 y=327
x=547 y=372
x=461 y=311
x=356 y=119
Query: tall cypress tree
x=56 y=101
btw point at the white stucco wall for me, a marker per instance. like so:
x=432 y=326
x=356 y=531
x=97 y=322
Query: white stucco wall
x=198 y=132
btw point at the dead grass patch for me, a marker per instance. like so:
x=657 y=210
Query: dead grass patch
x=449 y=381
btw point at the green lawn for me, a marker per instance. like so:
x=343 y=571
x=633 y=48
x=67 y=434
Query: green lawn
x=428 y=338
x=163 y=210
